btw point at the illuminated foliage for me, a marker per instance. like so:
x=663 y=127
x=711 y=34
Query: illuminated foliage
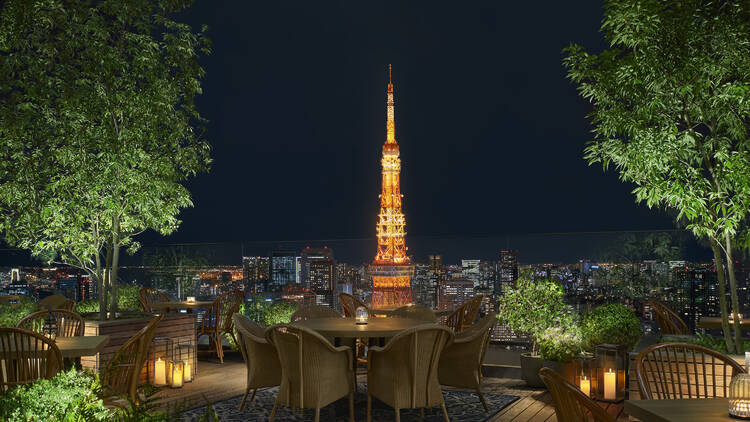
x=671 y=114
x=98 y=127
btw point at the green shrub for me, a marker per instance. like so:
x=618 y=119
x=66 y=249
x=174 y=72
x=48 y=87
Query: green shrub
x=716 y=343
x=533 y=306
x=279 y=313
x=69 y=396
x=127 y=300
x=10 y=315
x=560 y=344
x=87 y=306
x=611 y=324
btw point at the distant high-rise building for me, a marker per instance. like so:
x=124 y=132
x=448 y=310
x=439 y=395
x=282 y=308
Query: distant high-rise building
x=507 y=269
x=454 y=292
x=422 y=285
x=283 y=268
x=255 y=273
x=391 y=271
x=487 y=275
x=470 y=270
x=318 y=273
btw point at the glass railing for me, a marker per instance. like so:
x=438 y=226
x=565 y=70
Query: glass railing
x=593 y=268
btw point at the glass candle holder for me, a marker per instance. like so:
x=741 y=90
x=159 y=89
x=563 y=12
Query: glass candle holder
x=160 y=361
x=177 y=375
x=361 y=315
x=610 y=372
x=739 y=396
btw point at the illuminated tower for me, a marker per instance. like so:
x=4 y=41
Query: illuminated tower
x=392 y=270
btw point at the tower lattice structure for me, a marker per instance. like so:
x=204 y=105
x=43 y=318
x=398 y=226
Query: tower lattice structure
x=391 y=270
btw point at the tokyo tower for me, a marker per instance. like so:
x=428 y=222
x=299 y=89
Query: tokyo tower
x=391 y=271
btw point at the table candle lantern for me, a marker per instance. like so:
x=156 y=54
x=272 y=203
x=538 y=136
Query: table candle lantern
x=584 y=372
x=361 y=315
x=185 y=353
x=191 y=298
x=160 y=362
x=611 y=366
x=739 y=396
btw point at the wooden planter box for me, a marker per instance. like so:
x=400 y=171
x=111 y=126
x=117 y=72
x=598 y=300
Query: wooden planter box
x=178 y=327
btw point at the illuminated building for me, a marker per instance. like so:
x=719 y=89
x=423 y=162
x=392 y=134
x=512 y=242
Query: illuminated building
x=318 y=270
x=470 y=270
x=283 y=269
x=507 y=269
x=255 y=272
x=392 y=270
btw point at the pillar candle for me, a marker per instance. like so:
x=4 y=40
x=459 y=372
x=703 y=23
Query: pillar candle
x=610 y=385
x=188 y=374
x=585 y=386
x=177 y=375
x=160 y=375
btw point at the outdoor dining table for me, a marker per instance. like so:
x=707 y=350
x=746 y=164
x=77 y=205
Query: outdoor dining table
x=77 y=346
x=189 y=305
x=715 y=322
x=339 y=328
x=388 y=311
x=704 y=410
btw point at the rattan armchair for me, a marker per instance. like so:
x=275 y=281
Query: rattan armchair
x=349 y=305
x=26 y=356
x=404 y=373
x=314 y=373
x=147 y=296
x=120 y=376
x=217 y=320
x=463 y=317
x=416 y=312
x=461 y=362
x=58 y=322
x=669 y=322
x=261 y=359
x=314 y=311
x=683 y=371
x=571 y=405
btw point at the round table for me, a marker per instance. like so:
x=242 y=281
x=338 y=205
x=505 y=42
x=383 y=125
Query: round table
x=346 y=327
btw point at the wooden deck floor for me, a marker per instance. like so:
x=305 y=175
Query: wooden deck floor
x=217 y=382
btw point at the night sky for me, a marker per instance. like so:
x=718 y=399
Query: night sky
x=491 y=132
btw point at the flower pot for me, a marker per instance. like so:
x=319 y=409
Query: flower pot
x=530 y=366
x=565 y=369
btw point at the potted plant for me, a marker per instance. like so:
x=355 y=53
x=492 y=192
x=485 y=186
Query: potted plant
x=531 y=307
x=558 y=346
x=611 y=324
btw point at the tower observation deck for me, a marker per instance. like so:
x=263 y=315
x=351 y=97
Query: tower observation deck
x=392 y=270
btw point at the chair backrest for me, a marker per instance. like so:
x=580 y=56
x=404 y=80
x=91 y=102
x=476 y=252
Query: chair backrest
x=148 y=296
x=349 y=305
x=303 y=357
x=123 y=370
x=59 y=322
x=218 y=316
x=314 y=311
x=69 y=305
x=26 y=356
x=413 y=356
x=571 y=405
x=417 y=312
x=669 y=322
x=481 y=333
x=683 y=371
x=261 y=359
x=53 y=302
x=464 y=316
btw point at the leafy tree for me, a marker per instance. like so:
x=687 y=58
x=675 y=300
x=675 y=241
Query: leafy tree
x=98 y=127
x=174 y=267
x=671 y=114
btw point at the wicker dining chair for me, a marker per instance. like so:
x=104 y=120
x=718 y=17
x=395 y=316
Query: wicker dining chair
x=314 y=373
x=59 y=322
x=463 y=317
x=147 y=296
x=261 y=359
x=314 y=311
x=461 y=362
x=217 y=320
x=26 y=356
x=669 y=322
x=56 y=302
x=683 y=371
x=121 y=374
x=571 y=405
x=416 y=312
x=349 y=305
x=404 y=373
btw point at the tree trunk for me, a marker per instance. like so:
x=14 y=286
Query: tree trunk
x=738 y=342
x=722 y=296
x=115 y=262
x=105 y=284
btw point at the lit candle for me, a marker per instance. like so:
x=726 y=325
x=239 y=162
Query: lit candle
x=585 y=385
x=188 y=374
x=177 y=375
x=191 y=298
x=610 y=383
x=160 y=372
